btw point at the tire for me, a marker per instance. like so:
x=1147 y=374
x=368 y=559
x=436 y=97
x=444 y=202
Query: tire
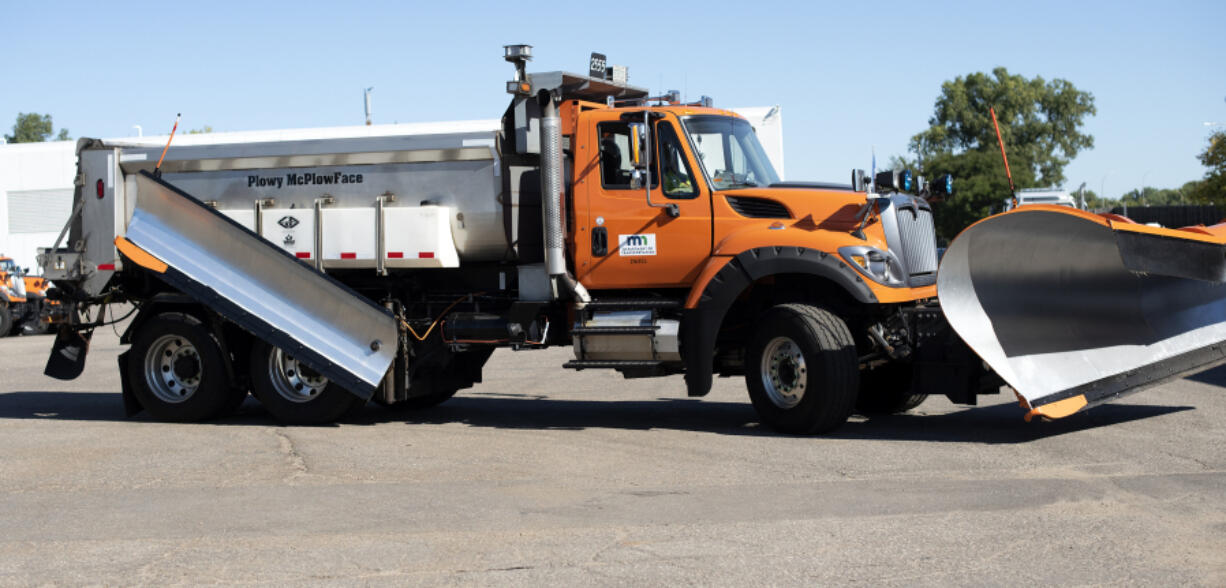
x=176 y=369
x=34 y=324
x=6 y=319
x=802 y=370
x=293 y=393
x=887 y=390
x=36 y=327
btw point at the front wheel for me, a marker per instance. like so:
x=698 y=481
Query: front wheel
x=292 y=392
x=802 y=370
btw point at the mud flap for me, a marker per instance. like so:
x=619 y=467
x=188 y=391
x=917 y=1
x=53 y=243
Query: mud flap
x=131 y=406
x=67 y=359
x=1074 y=309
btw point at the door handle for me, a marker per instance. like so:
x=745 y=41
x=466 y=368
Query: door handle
x=600 y=242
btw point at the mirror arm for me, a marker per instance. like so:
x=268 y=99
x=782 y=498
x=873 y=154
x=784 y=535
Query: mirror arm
x=671 y=209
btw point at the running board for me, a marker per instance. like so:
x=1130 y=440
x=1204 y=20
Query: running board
x=244 y=278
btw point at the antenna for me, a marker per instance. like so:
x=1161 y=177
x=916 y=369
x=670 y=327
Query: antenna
x=1008 y=173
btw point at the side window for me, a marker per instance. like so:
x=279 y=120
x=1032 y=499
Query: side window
x=678 y=179
x=616 y=165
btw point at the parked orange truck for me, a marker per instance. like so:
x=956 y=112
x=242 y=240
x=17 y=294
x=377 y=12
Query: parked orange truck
x=652 y=236
x=23 y=303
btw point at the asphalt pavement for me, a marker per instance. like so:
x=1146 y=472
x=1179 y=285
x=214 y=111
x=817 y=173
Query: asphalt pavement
x=544 y=476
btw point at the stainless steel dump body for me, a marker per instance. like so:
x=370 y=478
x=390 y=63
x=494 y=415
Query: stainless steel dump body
x=303 y=194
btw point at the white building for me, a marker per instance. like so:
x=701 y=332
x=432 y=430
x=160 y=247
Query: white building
x=35 y=196
x=36 y=178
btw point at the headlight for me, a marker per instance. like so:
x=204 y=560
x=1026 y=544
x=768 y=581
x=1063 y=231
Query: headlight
x=879 y=266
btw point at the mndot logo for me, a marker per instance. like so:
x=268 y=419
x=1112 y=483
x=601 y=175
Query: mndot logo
x=288 y=222
x=628 y=245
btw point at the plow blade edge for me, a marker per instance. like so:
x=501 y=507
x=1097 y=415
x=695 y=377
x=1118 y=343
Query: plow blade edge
x=251 y=282
x=1074 y=309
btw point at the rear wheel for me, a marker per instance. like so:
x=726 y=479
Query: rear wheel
x=887 y=390
x=292 y=392
x=802 y=370
x=177 y=371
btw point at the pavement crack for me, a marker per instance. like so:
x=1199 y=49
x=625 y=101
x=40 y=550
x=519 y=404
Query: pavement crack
x=293 y=459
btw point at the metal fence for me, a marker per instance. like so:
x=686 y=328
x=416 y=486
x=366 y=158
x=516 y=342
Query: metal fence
x=1174 y=216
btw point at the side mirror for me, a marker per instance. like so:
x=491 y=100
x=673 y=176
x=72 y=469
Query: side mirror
x=638 y=139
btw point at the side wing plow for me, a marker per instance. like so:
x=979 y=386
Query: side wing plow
x=248 y=280
x=1074 y=309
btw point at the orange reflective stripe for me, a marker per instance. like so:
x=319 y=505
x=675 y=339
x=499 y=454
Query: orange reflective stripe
x=140 y=256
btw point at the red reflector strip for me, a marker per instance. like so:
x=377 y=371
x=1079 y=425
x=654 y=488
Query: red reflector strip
x=106 y=267
x=349 y=256
x=426 y=255
x=395 y=255
x=303 y=255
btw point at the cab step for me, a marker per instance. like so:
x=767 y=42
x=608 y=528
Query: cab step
x=635 y=304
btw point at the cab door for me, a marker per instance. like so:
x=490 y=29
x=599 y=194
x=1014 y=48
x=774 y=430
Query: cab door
x=621 y=241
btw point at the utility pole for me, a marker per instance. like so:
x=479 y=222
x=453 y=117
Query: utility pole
x=139 y=131
x=366 y=94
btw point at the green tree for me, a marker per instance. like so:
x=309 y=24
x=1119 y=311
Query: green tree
x=201 y=131
x=1148 y=196
x=1212 y=189
x=1040 y=122
x=34 y=128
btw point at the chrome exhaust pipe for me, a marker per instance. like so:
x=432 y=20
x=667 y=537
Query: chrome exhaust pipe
x=552 y=194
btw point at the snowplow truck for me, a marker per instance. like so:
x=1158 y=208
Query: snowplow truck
x=24 y=306
x=651 y=236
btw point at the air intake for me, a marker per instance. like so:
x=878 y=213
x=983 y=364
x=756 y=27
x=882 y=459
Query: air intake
x=757 y=207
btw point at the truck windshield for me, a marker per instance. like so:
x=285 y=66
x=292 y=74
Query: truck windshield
x=729 y=152
x=8 y=265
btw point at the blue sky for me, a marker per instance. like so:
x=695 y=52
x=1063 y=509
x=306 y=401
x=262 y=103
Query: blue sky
x=848 y=75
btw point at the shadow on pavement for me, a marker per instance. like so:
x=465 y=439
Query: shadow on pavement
x=1001 y=423
x=1214 y=377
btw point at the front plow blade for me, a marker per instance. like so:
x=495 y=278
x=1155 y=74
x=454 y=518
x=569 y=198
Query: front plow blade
x=1074 y=309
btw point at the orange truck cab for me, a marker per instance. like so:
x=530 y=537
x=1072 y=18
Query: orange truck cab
x=773 y=279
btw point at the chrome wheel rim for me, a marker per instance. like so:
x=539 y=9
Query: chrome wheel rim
x=173 y=369
x=784 y=374
x=292 y=380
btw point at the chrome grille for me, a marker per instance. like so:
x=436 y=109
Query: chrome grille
x=919 y=240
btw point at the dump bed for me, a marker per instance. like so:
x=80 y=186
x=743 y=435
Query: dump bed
x=424 y=196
